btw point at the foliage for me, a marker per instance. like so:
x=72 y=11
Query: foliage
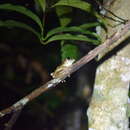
x=69 y=51
x=62 y=33
x=42 y=4
x=22 y=10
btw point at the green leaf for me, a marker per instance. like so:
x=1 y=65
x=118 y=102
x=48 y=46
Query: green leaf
x=71 y=29
x=80 y=4
x=89 y=25
x=71 y=37
x=75 y=3
x=13 y=23
x=24 y=11
x=63 y=14
x=69 y=51
x=42 y=4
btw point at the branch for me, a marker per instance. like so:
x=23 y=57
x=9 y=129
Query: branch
x=11 y=122
x=119 y=36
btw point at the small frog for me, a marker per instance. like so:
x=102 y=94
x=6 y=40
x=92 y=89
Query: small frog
x=63 y=68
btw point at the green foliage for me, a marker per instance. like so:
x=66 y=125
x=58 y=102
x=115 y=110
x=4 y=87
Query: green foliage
x=75 y=3
x=63 y=7
x=89 y=25
x=62 y=33
x=13 y=23
x=70 y=29
x=80 y=4
x=69 y=36
x=64 y=15
x=42 y=4
x=69 y=51
x=22 y=10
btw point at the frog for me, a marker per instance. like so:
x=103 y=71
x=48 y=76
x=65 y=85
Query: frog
x=63 y=68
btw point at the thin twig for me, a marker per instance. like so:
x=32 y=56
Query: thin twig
x=121 y=20
x=119 y=36
x=13 y=119
x=115 y=20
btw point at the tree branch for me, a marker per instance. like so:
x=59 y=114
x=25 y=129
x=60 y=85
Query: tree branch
x=119 y=36
x=13 y=119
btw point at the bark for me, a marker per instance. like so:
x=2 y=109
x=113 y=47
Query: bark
x=107 y=110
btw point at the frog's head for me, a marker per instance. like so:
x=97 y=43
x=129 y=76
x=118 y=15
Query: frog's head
x=68 y=62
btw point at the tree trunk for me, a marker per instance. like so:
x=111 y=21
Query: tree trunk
x=107 y=110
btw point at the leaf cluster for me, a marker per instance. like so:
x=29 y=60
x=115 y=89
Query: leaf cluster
x=62 y=33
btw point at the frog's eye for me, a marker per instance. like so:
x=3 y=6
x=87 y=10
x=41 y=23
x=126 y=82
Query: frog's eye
x=68 y=62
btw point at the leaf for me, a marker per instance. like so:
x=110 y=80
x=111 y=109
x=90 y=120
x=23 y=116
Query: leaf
x=71 y=29
x=42 y=4
x=89 y=25
x=69 y=51
x=13 y=23
x=63 y=14
x=65 y=19
x=85 y=6
x=71 y=37
x=75 y=3
x=24 y=11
